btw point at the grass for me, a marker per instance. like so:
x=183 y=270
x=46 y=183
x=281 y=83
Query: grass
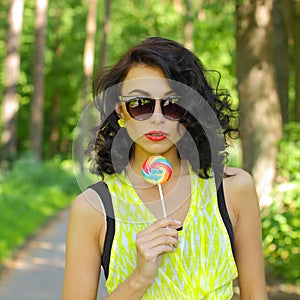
x=30 y=194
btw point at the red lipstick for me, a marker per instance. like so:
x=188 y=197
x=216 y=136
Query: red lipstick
x=156 y=136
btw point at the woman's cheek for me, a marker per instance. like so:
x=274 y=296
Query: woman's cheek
x=178 y=133
x=134 y=131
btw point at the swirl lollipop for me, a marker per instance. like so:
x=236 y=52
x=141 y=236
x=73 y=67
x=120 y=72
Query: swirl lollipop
x=157 y=170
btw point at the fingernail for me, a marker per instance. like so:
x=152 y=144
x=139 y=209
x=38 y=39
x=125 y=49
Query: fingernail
x=177 y=221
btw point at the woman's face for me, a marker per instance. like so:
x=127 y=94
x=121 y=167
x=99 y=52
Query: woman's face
x=156 y=134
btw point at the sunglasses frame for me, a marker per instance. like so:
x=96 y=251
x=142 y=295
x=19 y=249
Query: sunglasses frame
x=127 y=99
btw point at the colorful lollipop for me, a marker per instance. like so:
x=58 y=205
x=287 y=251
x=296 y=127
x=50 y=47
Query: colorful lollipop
x=157 y=170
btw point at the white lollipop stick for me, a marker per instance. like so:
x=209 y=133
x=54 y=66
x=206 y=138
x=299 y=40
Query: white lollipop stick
x=163 y=204
x=162 y=200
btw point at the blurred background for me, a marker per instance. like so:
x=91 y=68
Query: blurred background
x=49 y=53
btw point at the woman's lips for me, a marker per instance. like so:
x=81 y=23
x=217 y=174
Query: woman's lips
x=156 y=135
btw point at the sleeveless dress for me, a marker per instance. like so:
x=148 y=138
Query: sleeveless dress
x=202 y=267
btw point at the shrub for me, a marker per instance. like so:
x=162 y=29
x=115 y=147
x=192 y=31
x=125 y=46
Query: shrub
x=281 y=221
x=30 y=194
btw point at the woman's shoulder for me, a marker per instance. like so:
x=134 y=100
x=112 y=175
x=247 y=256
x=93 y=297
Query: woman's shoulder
x=87 y=206
x=238 y=178
x=239 y=188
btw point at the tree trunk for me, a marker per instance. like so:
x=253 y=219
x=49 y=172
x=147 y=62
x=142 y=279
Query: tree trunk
x=54 y=134
x=106 y=29
x=37 y=104
x=281 y=55
x=296 y=27
x=260 y=114
x=88 y=67
x=89 y=49
x=189 y=26
x=10 y=105
x=54 y=137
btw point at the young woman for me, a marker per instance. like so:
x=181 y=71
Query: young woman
x=157 y=100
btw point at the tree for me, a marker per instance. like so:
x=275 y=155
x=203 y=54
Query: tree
x=296 y=34
x=10 y=105
x=280 y=16
x=259 y=101
x=37 y=104
x=190 y=10
x=89 y=49
x=189 y=26
x=55 y=107
x=88 y=67
x=106 y=29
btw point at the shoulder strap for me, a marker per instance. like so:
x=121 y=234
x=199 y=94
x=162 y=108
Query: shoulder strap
x=224 y=213
x=102 y=190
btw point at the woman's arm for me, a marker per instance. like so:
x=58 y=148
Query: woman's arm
x=83 y=257
x=242 y=200
x=85 y=238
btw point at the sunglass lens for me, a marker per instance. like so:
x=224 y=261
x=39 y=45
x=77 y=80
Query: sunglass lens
x=172 y=110
x=140 y=108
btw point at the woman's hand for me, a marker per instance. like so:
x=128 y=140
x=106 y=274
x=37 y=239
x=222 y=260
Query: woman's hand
x=151 y=242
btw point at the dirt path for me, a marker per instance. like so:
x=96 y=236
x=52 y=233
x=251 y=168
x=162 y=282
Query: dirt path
x=37 y=272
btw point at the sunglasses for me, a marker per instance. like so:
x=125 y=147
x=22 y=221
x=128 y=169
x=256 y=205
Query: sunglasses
x=142 y=107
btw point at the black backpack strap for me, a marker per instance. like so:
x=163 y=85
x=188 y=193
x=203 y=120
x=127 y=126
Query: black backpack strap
x=224 y=213
x=102 y=190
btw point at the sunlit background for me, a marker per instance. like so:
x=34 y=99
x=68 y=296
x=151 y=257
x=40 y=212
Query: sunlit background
x=50 y=51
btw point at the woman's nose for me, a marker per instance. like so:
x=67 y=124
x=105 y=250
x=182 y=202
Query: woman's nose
x=157 y=116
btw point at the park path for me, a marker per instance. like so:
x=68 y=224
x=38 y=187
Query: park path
x=38 y=270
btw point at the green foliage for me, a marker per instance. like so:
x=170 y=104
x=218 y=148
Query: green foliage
x=133 y=21
x=130 y=22
x=281 y=221
x=215 y=42
x=234 y=154
x=288 y=162
x=30 y=194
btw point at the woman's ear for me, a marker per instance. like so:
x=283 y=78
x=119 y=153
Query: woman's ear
x=121 y=121
x=118 y=110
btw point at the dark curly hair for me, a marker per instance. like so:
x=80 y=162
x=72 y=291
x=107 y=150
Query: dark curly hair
x=179 y=65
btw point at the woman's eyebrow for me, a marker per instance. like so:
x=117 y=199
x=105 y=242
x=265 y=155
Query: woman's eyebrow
x=170 y=92
x=139 y=91
x=143 y=92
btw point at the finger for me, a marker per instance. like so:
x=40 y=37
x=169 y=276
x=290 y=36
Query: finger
x=165 y=222
x=162 y=249
x=165 y=231
x=164 y=240
x=145 y=237
x=150 y=241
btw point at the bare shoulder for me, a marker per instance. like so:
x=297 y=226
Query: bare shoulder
x=88 y=202
x=87 y=206
x=239 y=188
x=238 y=179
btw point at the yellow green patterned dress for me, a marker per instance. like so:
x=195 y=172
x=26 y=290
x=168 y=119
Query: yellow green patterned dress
x=202 y=267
